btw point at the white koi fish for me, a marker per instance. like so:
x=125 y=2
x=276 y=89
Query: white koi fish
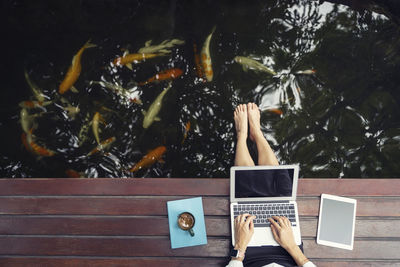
x=248 y=63
x=35 y=89
x=162 y=48
x=27 y=121
x=95 y=126
x=206 y=58
x=151 y=115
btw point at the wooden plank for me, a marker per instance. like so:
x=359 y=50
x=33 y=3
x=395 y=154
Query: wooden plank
x=157 y=262
x=110 y=262
x=160 y=247
x=186 y=186
x=103 y=226
x=377 y=206
x=101 y=205
x=115 y=187
x=158 y=226
x=349 y=187
x=107 y=246
x=363 y=249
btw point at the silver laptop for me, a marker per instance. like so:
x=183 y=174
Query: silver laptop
x=265 y=191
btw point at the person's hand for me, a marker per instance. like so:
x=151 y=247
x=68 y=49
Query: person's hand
x=283 y=234
x=244 y=229
x=282 y=231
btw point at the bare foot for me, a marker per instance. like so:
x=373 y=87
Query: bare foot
x=254 y=120
x=240 y=117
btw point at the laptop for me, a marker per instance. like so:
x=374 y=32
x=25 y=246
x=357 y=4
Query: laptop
x=265 y=191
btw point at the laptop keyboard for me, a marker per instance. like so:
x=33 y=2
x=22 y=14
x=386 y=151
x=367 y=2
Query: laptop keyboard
x=266 y=210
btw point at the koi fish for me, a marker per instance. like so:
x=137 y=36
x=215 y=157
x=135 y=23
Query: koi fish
x=306 y=72
x=35 y=148
x=164 y=75
x=27 y=120
x=206 y=58
x=71 y=110
x=248 y=63
x=275 y=110
x=151 y=114
x=197 y=62
x=25 y=142
x=149 y=159
x=95 y=125
x=35 y=89
x=185 y=133
x=127 y=59
x=103 y=145
x=161 y=48
x=74 y=70
x=83 y=132
x=127 y=94
x=34 y=104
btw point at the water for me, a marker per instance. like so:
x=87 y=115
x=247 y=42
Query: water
x=340 y=121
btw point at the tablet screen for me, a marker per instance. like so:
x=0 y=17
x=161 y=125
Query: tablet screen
x=336 y=222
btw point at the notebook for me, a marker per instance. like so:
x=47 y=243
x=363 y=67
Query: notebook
x=180 y=238
x=265 y=191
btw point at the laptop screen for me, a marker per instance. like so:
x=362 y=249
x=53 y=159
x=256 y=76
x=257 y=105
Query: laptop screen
x=262 y=183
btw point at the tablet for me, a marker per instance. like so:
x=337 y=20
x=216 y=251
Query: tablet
x=337 y=218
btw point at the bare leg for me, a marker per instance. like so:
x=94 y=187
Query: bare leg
x=242 y=156
x=265 y=154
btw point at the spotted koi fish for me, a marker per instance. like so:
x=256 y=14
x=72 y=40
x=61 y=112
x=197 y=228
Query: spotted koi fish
x=149 y=159
x=164 y=75
x=197 y=62
x=74 y=70
x=206 y=58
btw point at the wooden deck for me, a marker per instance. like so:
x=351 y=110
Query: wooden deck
x=123 y=222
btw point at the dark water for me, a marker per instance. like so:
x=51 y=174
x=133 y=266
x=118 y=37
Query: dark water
x=343 y=120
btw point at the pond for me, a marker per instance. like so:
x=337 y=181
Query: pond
x=324 y=75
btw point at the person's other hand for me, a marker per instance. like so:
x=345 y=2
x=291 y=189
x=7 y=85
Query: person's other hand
x=244 y=230
x=282 y=231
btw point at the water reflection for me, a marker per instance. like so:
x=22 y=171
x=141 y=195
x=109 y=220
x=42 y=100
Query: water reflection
x=324 y=76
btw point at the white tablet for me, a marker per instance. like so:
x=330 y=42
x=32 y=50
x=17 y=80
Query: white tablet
x=337 y=218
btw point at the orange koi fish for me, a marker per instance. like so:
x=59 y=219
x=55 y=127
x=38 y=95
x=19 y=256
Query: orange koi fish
x=34 y=104
x=103 y=145
x=25 y=142
x=164 y=75
x=206 y=58
x=127 y=59
x=187 y=129
x=74 y=70
x=197 y=62
x=275 y=110
x=35 y=148
x=150 y=158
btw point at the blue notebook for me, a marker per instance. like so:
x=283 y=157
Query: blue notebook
x=179 y=237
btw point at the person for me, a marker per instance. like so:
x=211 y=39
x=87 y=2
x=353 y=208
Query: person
x=247 y=117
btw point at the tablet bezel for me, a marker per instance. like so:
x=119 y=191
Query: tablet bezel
x=330 y=243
